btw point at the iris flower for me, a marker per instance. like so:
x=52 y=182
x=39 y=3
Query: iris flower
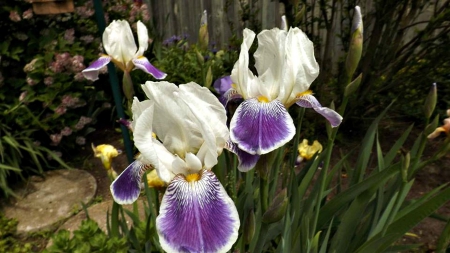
x=106 y=153
x=442 y=129
x=306 y=151
x=121 y=49
x=196 y=214
x=286 y=68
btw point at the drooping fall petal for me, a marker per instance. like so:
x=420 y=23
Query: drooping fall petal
x=309 y=101
x=197 y=215
x=91 y=72
x=127 y=186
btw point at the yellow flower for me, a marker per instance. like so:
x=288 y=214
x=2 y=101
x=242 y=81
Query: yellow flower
x=153 y=180
x=106 y=153
x=306 y=151
x=444 y=128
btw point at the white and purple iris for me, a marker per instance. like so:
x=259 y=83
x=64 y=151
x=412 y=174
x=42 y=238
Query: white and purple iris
x=286 y=68
x=196 y=214
x=121 y=49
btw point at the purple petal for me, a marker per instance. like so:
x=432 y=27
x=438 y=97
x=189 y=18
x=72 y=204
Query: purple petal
x=143 y=64
x=197 y=215
x=261 y=127
x=246 y=161
x=309 y=101
x=91 y=72
x=222 y=85
x=127 y=186
x=228 y=96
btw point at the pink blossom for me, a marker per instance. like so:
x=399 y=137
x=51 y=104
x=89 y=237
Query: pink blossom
x=48 y=81
x=69 y=35
x=60 y=110
x=56 y=139
x=14 y=16
x=30 y=81
x=87 y=39
x=27 y=14
x=23 y=95
x=82 y=122
x=79 y=77
x=56 y=67
x=69 y=101
x=77 y=63
x=84 y=11
x=80 y=140
x=66 y=131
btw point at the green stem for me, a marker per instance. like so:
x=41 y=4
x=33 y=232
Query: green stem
x=264 y=193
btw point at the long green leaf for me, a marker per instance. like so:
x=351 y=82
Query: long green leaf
x=345 y=197
x=402 y=225
x=444 y=240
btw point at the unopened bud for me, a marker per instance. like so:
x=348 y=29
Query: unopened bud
x=430 y=102
x=356 y=43
x=249 y=228
x=203 y=36
x=277 y=208
x=208 y=78
x=284 y=25
x=299 y=15
x=353 y=86
x=200 y=58
x=127 y=85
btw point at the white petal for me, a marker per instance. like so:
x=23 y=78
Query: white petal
x=241 y=75
x=270 y=61
x=142 y=38
x=151 y=152
x=137 y=108
x=301 y=67
x=193 y=162
x=118 y=41
x=173 y=124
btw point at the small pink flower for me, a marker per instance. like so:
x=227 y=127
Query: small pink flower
x=30 y=81
x=69 y=35
x=27 y=14
x=23 y=95
x=80 y=140
x=66 y=131
x=87 y=39
x=69 y=101
x=60 y=110
x=82 y=122
x=14 y=16
x=48 y=81
x=79 y=77
x=56 y=139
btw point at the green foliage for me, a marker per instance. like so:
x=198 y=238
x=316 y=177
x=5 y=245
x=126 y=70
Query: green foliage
x=88 y=238
x=8 y=241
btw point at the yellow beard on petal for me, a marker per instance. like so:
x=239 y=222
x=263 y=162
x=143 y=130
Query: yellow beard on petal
x=307 y=92
x=263 y=99
x=193 y=177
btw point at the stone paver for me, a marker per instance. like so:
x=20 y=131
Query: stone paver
x=45 y=202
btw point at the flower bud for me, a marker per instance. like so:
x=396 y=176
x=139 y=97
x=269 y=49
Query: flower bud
x=203 y=36
x=277 y=208
x=284 y=25
x=208 y=78
x=200 y=58
x=405 y=166
x=356 y=43
x=127 y=85
x=249 y=228
x=353 y=86
x=430 y=102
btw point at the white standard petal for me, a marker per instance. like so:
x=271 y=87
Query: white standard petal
x=240 y=74
x=137 y=108
x=142 y=38
x=270 y=61
x=301 y=67
x=118 y=41
x=173 y=123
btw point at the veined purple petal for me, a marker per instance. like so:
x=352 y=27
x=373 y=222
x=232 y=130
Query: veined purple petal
x=144 y=64
x=228 y=96
x=197 y=215
x=91 y=72
x=309 y=101
x=127 y=186
x=261 y=127
x=246 y=161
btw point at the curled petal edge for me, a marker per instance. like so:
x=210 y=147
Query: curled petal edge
x=91 y=72
x=309 y=101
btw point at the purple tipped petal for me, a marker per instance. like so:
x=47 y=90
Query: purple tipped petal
x=143 y=64
x=246 y=160
x=228 y=96
x=197 y=216
x=91 y=72
x=261 y=127
x=309 y=101
x=127 y=186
